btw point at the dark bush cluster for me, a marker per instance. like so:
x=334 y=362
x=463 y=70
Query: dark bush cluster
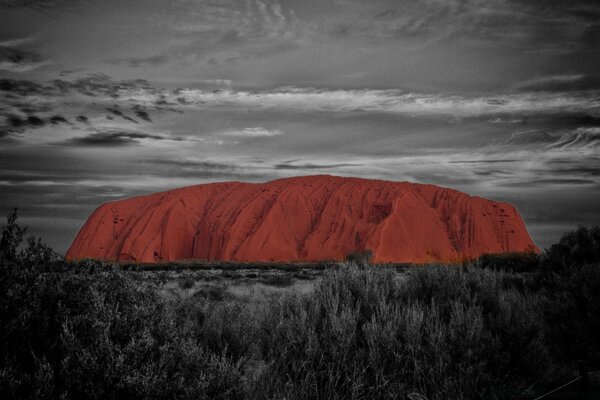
x=443 y=333
x=510 y=262
x=87 y=331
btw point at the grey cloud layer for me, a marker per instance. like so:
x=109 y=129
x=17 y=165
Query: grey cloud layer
x=545 y=25
x=140 y=93
x=497 y=98
x=395 y=101
x=135 y=104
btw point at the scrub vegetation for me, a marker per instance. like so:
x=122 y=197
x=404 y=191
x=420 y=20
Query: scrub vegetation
x=501 y=327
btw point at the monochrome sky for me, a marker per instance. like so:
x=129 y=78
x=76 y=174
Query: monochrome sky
x=101 y=100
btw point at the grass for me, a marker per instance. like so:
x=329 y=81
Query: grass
x=477 y=331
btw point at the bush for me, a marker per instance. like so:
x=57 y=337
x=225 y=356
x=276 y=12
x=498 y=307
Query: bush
x=572 y=312
x=575 y=249
x=90 y=330
x=442 y=332
x=186 y=282
x=87 y=333
x=104 y=335
x=510 y=262
x=12 y=236
x=360 y=258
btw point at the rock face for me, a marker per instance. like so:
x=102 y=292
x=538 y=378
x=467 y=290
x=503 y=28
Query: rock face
x=302 y=219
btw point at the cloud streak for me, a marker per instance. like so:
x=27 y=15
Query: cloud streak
x=252 y=132
x=19 y=61
x=394 y=101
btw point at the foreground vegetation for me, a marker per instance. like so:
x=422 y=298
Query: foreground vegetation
x=486 y=330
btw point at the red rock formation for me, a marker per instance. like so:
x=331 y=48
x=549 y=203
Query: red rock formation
x=305 y=218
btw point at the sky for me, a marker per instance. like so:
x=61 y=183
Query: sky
x=103 y=100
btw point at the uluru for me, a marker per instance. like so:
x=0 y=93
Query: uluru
x=307 y=218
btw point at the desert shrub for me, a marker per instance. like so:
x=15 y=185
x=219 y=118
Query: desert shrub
x=278 y=280
x=34 y=254
x=569 y=280
x=511 y=262
x=12 y=237
x=575 y=249
x=104 y=335
x=186 y=282
x=214 y=293
x=360 y=258
x=88 y=333
x=572 y=312
x=227 y=329
x=442 y=332
x=92 y=330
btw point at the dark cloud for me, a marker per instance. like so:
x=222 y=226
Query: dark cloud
x=42 y=5
x=483 y=161
x=580 y=138
x=115 y=110
x=534 y=25
x=560 y=83
x=154 y=60
x=16 y=60
x=313 y=166
x=58 y=119
x=103 y=85
x=200 y=170
x=211 y=165
x=551 y=182
x=94 y=85
x=575 y=120
x=574 y=169
x=27 y=105
x=17 y=123
x=113 y=138
x=141 y=113
x=20 y=87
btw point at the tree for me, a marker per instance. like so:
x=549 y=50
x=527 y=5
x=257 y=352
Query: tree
x=35 y=253
x=575 y=249
x=12 y=237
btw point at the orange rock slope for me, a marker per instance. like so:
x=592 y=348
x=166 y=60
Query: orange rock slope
x=302 y=219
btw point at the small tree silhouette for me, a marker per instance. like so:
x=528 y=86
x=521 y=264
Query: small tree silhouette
x=12 y=237
x=34 y=254
x=360 y=258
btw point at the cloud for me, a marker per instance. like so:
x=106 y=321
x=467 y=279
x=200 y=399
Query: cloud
x=20 y=87
x=309 y=166
x=563 y=26
x=585 y=140
x=394 y=101
x=88 y=102
x=201 y=168
x=41 y=5
x=15 y=60
x=252 y=132
x=153 y=60
x=217 y=82
x=104 y=86
x=141 y=98
x=573 y=142
x=113 y=138
x=225 y=32
x=550 y=182
x=570 y=82
x=16 y=42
